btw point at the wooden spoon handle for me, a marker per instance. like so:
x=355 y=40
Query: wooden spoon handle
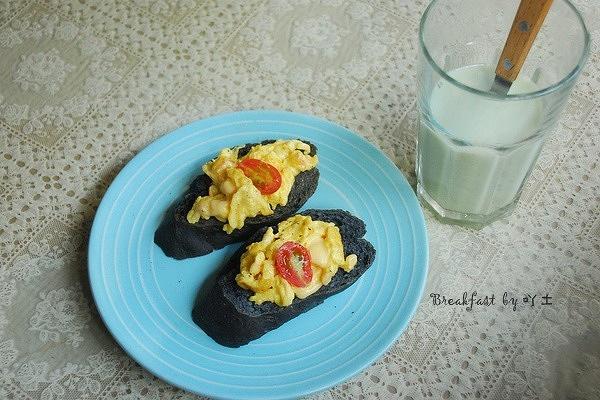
x=527 y=23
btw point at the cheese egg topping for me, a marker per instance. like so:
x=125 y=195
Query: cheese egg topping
x=255 y=184
x=262 y=272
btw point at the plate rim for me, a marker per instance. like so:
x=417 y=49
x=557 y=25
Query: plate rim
x=255 y=115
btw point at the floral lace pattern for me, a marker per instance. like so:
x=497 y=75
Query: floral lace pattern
x=167 y=8
x=61 y=312
x=99 y=67
x=85 y=85
x=43 y=70
x=327 y=55
x=317 y=36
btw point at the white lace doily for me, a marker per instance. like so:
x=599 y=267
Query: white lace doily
x=84 y=85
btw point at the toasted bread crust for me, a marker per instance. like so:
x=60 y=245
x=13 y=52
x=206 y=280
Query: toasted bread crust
x=179 y=239
x=227 y=315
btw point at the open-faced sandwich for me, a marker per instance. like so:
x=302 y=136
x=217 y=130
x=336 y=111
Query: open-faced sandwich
x=242 y=189
x=282 y=271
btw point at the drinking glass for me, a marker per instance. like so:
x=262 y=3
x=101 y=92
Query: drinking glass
x=476 y=148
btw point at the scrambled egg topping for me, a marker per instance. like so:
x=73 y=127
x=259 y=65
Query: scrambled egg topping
x=322 y=239
x=233 y=197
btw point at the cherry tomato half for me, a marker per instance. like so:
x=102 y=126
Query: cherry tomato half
x=292 y=262
x=264 y=176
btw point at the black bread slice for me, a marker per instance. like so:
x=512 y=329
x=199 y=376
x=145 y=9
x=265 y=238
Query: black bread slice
x=179 y=239
x=227 y=315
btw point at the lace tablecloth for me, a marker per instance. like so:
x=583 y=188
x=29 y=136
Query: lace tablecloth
x=84 y=85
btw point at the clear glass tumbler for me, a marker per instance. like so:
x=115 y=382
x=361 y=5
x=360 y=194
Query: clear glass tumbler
x=475 y=148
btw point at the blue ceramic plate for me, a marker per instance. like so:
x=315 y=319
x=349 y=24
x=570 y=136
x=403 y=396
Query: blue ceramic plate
x=145 y=298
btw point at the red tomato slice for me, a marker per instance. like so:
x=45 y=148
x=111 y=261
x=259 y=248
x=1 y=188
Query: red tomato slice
x=292 y=262
x=264 y=176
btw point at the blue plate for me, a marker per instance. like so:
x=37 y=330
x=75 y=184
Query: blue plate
x=145 y=298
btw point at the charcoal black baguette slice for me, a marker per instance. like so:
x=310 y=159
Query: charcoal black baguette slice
x=179 y=239
x=227 y=315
